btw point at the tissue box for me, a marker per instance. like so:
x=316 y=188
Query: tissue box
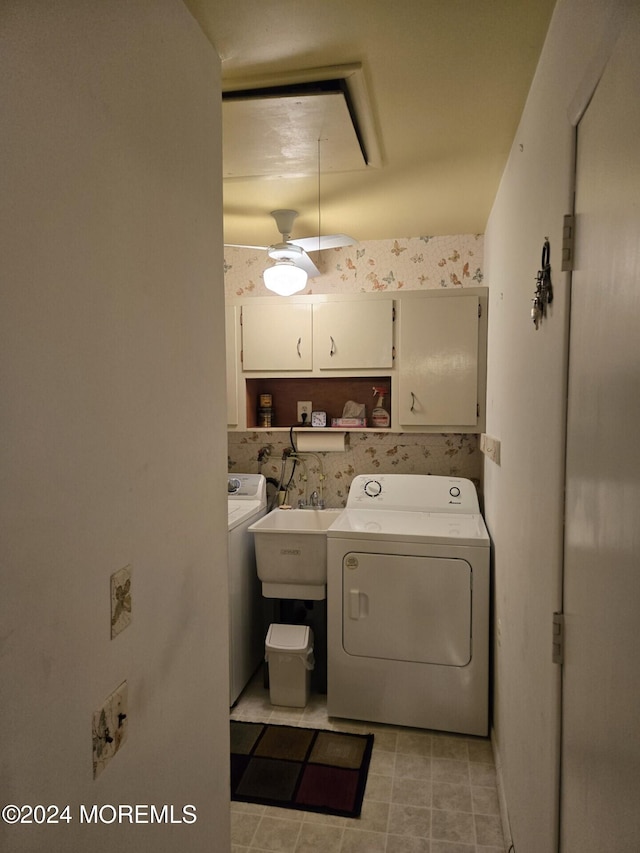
x=348 y=422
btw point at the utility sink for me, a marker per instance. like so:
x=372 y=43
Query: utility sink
x=291 y=552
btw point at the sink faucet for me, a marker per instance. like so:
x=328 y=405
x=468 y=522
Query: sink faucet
x=315 y=502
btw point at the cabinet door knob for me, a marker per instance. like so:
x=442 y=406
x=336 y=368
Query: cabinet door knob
x=298 y=347
x=413 y=402
x=332 y=349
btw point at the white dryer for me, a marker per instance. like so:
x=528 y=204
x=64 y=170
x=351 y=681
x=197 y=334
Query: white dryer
x=408 y=604
x=247 y=499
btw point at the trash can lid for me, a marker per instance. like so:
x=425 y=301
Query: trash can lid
x=288 y=638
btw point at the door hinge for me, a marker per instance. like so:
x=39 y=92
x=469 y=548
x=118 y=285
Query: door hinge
x=568 y=242
x=479 y=310
x=557 y=653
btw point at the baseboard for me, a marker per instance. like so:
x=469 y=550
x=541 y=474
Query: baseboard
x=504 y=814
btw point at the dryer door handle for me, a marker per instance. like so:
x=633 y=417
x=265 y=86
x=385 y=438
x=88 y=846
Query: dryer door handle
x=358 y=604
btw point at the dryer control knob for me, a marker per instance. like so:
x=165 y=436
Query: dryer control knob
x=372 y=488
x=454 y=491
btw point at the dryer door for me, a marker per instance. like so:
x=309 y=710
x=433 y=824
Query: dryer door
x=407 y=608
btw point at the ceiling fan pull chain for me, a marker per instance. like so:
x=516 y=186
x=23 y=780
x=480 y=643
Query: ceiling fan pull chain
x=319 y=222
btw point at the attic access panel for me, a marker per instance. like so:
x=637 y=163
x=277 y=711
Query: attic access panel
x=275 y=131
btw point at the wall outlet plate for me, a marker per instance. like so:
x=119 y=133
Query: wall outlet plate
x=305 y=407
x=109 y=728
x=120 y=600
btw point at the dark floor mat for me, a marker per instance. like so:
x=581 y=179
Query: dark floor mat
x=296 y=768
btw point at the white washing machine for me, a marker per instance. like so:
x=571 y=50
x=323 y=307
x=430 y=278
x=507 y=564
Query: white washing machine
x=408 y=604
x=247 y=495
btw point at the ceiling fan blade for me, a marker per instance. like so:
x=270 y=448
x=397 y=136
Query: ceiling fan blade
x=244 y=246
x=305 y=262
x=331 y=241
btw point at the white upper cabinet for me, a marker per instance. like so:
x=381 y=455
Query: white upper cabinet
x=231 y=332
x=317 y=336
x=428 y=349
x=438 y=361
x=277 y=336
x=354 y=335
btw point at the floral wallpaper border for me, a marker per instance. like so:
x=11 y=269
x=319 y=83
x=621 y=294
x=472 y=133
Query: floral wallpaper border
x=412 y=263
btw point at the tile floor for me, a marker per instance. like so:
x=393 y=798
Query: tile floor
x=427 y=792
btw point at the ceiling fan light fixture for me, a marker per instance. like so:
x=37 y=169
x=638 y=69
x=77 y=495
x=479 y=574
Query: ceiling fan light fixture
x=284 y=278
x=285 y=252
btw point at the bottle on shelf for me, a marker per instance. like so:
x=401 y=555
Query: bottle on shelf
x=265 y=411
x=380 y=416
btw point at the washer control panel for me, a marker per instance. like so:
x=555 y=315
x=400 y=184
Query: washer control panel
x=233 y=485
x=413 y=492
x=246 y=486
x=372 y=488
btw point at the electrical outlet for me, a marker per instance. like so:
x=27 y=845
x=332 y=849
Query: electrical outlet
x=120 y=600
x=109 y=728
x=305 y=407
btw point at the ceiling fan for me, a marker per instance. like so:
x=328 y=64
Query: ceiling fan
x=292 y=263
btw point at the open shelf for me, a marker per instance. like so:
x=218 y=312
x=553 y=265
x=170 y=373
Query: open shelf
x=327 y=395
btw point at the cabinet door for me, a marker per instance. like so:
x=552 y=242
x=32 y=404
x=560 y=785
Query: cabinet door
x=355 y=335
x=438 y=361
x=276 y=337
x=231 y=332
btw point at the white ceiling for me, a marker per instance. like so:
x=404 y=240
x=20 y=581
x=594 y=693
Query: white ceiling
x=442 y=86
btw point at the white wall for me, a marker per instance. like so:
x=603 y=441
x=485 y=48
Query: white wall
x=112 y=433
x=526 y=412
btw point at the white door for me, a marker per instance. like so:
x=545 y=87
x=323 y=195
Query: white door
x=407 y=608
x=600 y=779
x=277 y=337
x=353 y=335
x=438 y=361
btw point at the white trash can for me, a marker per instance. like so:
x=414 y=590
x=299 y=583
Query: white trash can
x=289 y=653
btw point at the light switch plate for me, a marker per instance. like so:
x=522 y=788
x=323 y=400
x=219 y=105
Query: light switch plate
x=109 y=728
x=120 y=600
x=490 y=447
